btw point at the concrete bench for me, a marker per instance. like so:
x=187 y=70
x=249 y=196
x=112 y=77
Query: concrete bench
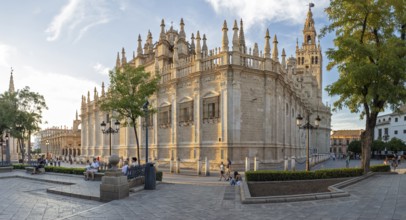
x=97 y=176
x=6 y=169
x=31 y=170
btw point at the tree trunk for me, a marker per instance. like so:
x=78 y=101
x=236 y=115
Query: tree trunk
x=29 y=146
x=138 y=144
x=20 y=144
x=367 y=137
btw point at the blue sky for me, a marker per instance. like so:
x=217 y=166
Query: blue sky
x=62 y=49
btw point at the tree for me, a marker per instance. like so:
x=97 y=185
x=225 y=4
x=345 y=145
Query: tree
x=378 y=145
x=395 y=144
x=355 y=147
x=370 y=56
x=21 y=116
x=129 y=88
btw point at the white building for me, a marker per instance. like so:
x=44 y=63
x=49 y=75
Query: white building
x=391 y=126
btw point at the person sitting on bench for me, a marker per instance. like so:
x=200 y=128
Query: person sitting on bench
x=94 y=167
x=41 y=164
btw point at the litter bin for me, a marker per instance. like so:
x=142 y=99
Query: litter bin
x=150 y=176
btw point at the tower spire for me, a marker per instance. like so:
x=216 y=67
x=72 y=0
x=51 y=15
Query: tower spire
x=182 y=34
x=192 y=44
x=275 y=49
x=283 y=58
x=103 y=93
x=198 y=47
x=225 y=37
x=123 y=58
x=235 y=36
x=162 y=34
x=267 y=48
x=242 y=38
x=204 y=47
x=118 y=64
x=139 y=47
x=11 y=85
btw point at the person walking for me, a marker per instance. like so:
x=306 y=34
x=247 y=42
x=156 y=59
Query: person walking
x=347 y=161
x=222 y=171
x=228 y=167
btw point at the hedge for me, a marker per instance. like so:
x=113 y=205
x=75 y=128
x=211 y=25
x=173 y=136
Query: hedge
x=271 y=175
x=69 y=170
x=380 y=168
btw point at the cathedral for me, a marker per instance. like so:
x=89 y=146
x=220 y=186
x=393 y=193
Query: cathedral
x=227 y=102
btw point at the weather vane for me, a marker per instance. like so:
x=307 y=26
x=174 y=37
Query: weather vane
x=12 y=70
x=311 y=4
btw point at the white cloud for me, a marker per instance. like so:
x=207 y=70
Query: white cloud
x=62 y=92
x=260 y=11
x=6 y=52
x=77 y=17
x=101 y=69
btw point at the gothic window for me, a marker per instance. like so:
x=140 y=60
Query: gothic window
x=211 y=107
x=316 y=60
x=298 y=60
x=312 y=60
x=302 y=60
x=165 y=116
x=309 y=39
x=186 y=112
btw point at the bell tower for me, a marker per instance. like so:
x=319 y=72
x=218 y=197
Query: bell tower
x=309 y=56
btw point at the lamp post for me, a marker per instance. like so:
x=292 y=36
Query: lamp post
x=7 y=150
x=2 y=146
x=47 y=144
x=145 y=108
x=110 y=130
x=308 y=127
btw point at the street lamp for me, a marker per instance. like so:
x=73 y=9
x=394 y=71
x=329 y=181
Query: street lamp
x=150 y=178
x=47 y=144
x=1 y=143
x=308 y=127
x=7 y=150
x=110 y=130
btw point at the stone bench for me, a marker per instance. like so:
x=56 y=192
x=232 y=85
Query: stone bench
x=6 y=169
x=31 y=170
x=97 y=176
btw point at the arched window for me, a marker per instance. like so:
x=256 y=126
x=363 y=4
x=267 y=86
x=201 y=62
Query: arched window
x=309 y=39
x=302 y=60
x=312 y=60
x=316 y=60
x=298 y=60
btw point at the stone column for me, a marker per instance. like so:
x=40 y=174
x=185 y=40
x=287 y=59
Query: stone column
x=286 y=165
x=207 y=167
x=247 y=164
x=293 y=163
x=199 y=167
x=256 y=164
x=114 y=184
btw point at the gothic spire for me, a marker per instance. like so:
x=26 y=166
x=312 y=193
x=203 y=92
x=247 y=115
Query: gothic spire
x=162 y=34
x=204 y=47
x=192 y=44
x=118 y=64
x=123 y=58
x=11 y=84
x=103 y=93
x=267 y=48
x=198 y=47
x=255 y=50
x=235 y=36
x=182 y=34
x=225 y=37
x=275 y=49
x=242 y=38
x=283 y=58
x=139 y=47
x=77 y=116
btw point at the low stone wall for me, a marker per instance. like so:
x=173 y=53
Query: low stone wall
x=6 y=169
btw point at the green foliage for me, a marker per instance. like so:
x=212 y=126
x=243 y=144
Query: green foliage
x=355 y=147
x=159 y=175
x=67 y=170
x=378 y=145
x=271 y=175
x=129 y=88
x=380 y=168
x=20 y=166
x=396 y=144
x=369 y=53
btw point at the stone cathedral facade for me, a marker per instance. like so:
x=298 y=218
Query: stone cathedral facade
x=227 y=102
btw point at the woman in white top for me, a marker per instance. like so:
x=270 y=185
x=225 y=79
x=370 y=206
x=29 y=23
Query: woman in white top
x=222 y=171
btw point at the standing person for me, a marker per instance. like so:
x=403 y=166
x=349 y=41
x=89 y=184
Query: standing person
x=347 y=161
x=399 y=157
x=222 y=171
x=134 y=162
x=228 y=172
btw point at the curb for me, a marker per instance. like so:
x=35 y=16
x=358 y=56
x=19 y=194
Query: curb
x=335 y=192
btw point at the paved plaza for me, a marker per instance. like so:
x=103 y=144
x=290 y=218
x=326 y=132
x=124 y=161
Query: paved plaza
x=193 y=197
